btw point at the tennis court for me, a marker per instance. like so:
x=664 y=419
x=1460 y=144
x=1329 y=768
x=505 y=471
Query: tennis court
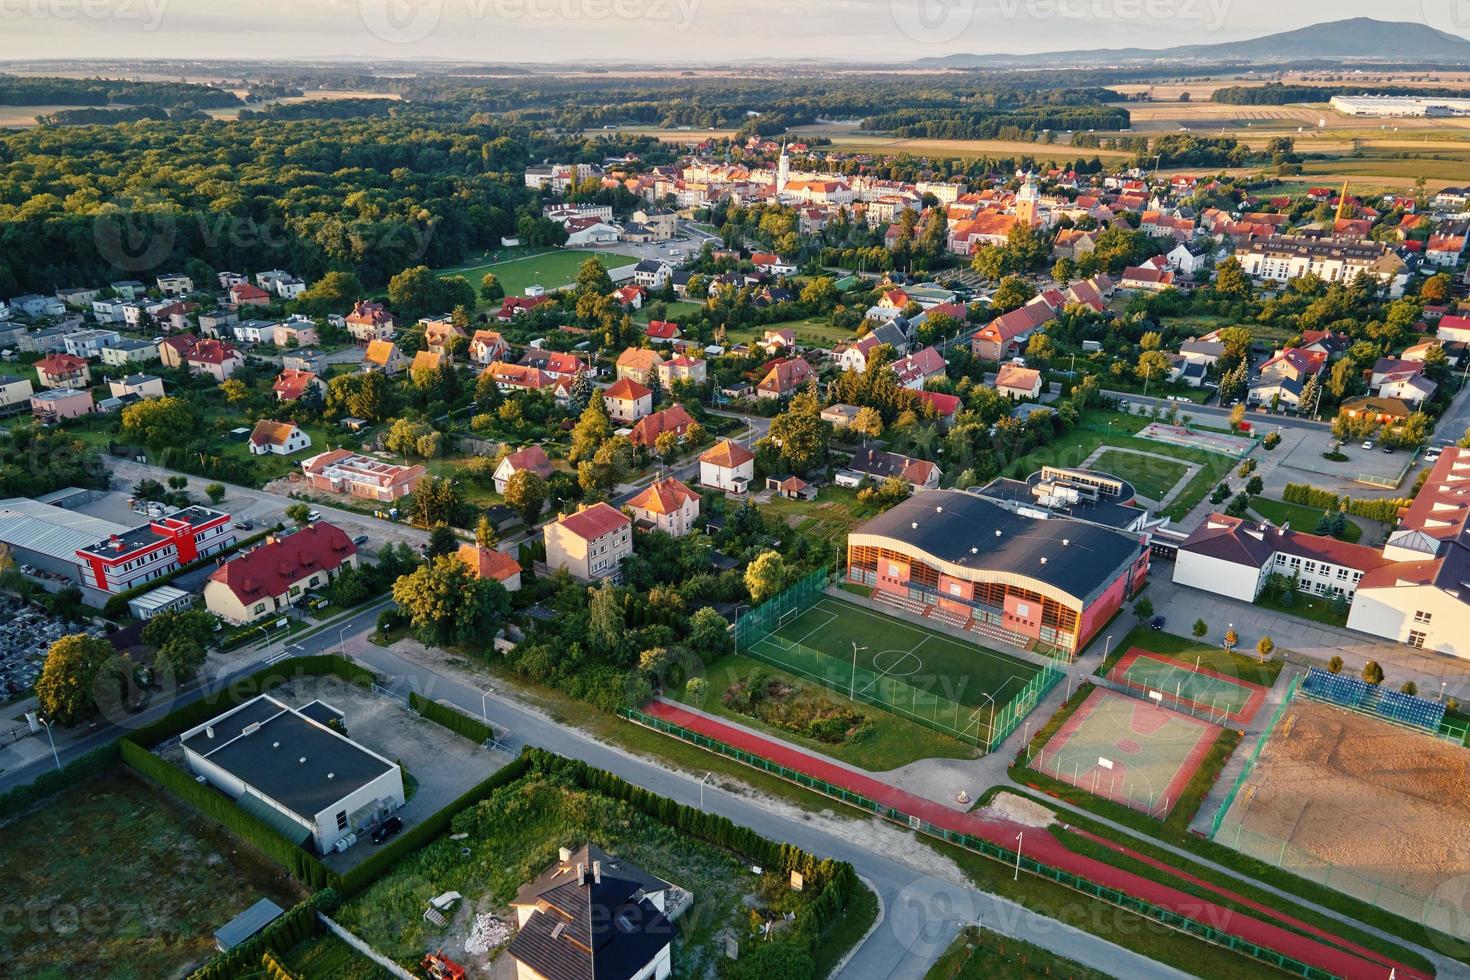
x=950 y=684
x=1189 y=687
x=1129 y=751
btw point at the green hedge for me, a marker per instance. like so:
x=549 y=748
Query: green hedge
x=420 y=834
x=296 y=925
x=80 y=769
x=1385 y=509
x=454 y=720
x=304 y=866
x=244 y=688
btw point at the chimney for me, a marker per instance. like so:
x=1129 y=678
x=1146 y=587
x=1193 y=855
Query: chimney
x=597 y=872
x=565 y=854
x=581 y=873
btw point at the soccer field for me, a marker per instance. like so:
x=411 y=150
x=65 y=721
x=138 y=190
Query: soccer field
x=820 y=640
x=549 y=269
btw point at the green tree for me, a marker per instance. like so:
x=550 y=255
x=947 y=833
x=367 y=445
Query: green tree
x=605 y=617
x=592 y=277
x=525 y=492
x=300 y=513
x=446 y=604
x=71 y=679
x=801 y=434
x=868 y=422
x=1231 y=280
x=158 y=422
x=1143 y=609
x=765 y=576
x=334 y=292
x=592 y=430
x=1372 y=673
x=1265 y=646
x=1409 y=688
x=485 y=533
x=709 y=634
x=215 y=492
x=1200 y=627
x=1335 y=664
x=436 y=500
x=490 y=288
x=441 y=542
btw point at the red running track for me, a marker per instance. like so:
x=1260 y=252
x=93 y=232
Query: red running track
x=1327 y=952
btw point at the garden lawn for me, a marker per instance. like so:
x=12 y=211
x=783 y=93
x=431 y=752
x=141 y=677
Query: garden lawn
x=150 y=880
x=1305 y=606
x=833 y=513
x=1153 y=478
x=549 y=269
x=1300 y=517
x=887 y=743
x=813 y=331
x=1207 y=652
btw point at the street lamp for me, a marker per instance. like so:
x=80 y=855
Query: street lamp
x=54 y=756
x=852 y=677
x=1017 y=875
x=266 y=633
x=342 y=639
x=483 y=696
x=702 y=780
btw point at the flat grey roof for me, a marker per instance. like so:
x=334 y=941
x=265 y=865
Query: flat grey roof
x=247 y=924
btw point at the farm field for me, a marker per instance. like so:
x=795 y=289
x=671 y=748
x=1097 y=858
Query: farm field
x=548 y=269
x=1367 y=808
x=131 y=884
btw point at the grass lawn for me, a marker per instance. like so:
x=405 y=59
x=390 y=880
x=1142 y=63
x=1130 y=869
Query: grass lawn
x=888 y=742
x=549 y=269
x=128 y=882
x=814 y=331
x=979 y=954
x=831 y=515
x=1101 y=428
x=328 y=958
x=514 y=835
x=1300 y=517
x=1304 y=605
x=675 y=310
x=1153 y=478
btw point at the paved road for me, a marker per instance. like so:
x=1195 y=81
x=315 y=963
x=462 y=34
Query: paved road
x=265 y=508
x=1217 y=414
x=688 y=471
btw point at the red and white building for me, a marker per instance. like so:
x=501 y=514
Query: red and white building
x=343 y=471
x=123 y=561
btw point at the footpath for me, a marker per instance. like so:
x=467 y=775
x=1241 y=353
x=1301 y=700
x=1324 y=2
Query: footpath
x=1282 y=934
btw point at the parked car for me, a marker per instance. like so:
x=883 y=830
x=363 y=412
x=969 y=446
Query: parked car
x=1388 y=449
x=1432 y=456
x=360 y=540
x=1157 y=623
x=1368 y=444
x=315 y=515
x=387 y=829
x=243 y=525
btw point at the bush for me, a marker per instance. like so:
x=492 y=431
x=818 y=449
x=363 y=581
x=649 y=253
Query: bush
x=451 y=718
x=1272 y=440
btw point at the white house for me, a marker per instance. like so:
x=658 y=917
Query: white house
x=1190 y=257
x=666 y=505
x=278 y=438
x=727 y=466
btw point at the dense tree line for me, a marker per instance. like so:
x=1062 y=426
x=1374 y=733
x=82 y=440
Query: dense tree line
x=1275 y=93
x=15 y=90
x=953 y=123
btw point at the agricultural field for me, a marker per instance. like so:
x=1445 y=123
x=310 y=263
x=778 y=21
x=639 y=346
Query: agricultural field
x=551 y=270
x=877 y=143
x=126 y=883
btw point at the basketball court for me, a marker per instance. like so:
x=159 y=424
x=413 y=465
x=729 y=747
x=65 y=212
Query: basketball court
x=1189 y=687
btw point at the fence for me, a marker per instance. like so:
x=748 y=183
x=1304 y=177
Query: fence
x=1010 y=858
x=1250 y=763
x=348 y=937
x=1205 y=712
x=1134 y=794
x=765 y=619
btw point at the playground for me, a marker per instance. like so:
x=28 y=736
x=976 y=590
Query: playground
x=1127 y=750
x=1192 y=688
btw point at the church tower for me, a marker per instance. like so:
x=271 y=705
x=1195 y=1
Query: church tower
x=1028 y=200
x=783 y=170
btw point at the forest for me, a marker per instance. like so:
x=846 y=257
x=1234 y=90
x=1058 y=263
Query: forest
x=17 y=90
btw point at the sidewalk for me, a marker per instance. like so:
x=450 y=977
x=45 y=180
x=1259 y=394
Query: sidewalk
x=1337 y=955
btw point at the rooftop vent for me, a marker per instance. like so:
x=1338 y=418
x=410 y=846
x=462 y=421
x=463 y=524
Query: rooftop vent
x=565 y=854
x=275 y=745
x=331 y=775
x=301 y=761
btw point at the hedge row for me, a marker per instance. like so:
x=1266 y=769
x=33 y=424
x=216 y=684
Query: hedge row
x=242 y=689
x=420 y=834
x=80 y=769
x=303 y=865
x=1385 y=509
x=296 y=925
x=451 y=718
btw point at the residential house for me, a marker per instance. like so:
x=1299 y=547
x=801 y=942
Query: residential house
x=771 y=264
x=1444 y=250
x=631 y=297
x=487 y=564
x=88 y=344
x=917 y=368
x=1280 y=259
x=246 y=294
x=1007 y=333
x=441 y=333
x=126 y=350
x=682 y=368
x=1073 y=243
x=1294 y=364
x=783 y=378
x=305 y=360
x=370 y=321
x=1191 y=257
x=591 y=916
x=425 y=364
x=532 y=459
x=56 y=404
x=15 y=393
x=639 y=364
x=1453 y=329
x=175 y=284
x=1384 y=411
x=346 y=472
x=662 y=331
x=727 y=466
x=666 y=505
x=172 y=350
x=561 y=367
x=945 y=406
x=384 y=355
x=136 y=386
x=487 y=345
x=63 y=371
x=590 y=544
x=853 y=356
x=217 y=358
x=1016 y=382
x=877 y=465
x=652 y=274
x=272 y=438
x=293 y=384
x=514 y=306
x=519 y=377
x=627 y=400
x=647 y=429
x=1333 y=345
x=1410 y=386
x=278 y=574
x=1147 y=277
x=840 y=416
x=1205 y=353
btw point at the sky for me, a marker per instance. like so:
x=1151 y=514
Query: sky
x=657 y=31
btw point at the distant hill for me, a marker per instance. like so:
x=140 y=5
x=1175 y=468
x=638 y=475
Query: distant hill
x=1360 y=38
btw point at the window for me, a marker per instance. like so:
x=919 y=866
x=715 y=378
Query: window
x=1416 y=639
x=260 y=607
x=1342 y=574
x=1310 y=568
x=1420 y=616
x=341 y=819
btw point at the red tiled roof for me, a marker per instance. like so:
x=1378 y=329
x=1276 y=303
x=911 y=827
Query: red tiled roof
x=663 y=497
x=626 y=389
x=211 y=351
x=531 y=458
x=727 y=454
x=488 y=563
x=271 y=569
x=595 y=521
x=647 y=429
